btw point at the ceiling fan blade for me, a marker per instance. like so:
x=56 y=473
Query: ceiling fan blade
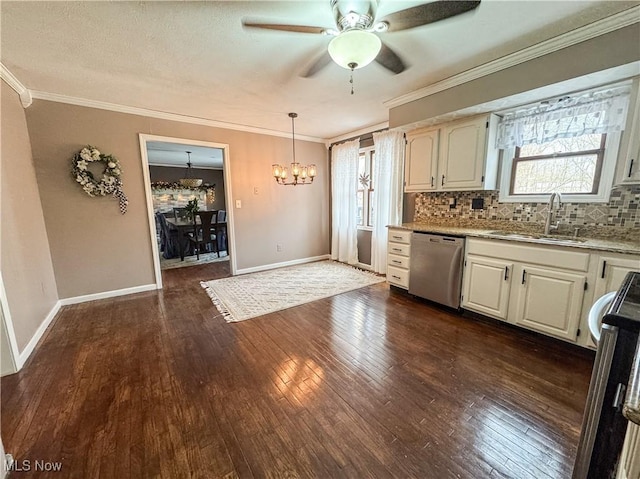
x=390 y=60
x=322 y=61
x=427 y=13
x=285 y=28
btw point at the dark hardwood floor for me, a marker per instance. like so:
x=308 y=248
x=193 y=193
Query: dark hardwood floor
x=368 y=383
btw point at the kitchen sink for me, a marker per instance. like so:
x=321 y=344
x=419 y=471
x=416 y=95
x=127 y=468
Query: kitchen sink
x=538 y=237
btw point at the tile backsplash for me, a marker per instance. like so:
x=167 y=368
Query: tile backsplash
x=620 y=211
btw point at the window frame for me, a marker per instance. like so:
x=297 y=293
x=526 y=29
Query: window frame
x=603 y=181
x=369 y=153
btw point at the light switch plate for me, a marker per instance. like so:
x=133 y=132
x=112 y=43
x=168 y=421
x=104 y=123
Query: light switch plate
x=238 y=204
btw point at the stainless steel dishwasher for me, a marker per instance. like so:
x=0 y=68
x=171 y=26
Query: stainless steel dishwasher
x=435 y=268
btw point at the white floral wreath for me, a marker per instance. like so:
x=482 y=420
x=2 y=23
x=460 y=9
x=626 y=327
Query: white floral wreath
x=110 y=182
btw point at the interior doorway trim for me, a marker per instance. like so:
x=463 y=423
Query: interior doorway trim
x=226 y=171
x=14 y=352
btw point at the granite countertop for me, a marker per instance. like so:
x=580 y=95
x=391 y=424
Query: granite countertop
x=619 y=241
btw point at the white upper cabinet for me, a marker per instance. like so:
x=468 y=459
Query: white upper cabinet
x=422 y=160
x=630 y=151
x=456 y=156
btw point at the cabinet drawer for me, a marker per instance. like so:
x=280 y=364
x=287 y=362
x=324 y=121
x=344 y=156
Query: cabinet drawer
x=400 y=249
x=398 y=277
x=400 y=236
x=398 y=261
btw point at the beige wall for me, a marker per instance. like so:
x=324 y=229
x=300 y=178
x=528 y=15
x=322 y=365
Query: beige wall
x=25 y=259
x=96 y=249
x=619 y=47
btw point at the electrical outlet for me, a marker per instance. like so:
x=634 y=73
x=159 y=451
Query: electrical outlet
x=279 y=248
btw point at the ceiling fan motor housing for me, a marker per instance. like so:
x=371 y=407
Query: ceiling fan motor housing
x=354 y=14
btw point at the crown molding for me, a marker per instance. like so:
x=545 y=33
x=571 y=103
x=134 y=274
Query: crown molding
x=580 y=34
x=133 y=110
x=361 y=131
x=22 y=91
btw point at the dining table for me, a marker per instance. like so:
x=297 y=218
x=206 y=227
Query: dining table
x=184 y=226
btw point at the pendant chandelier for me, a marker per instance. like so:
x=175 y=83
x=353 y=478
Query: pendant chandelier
x=300 y=173
x=188 y=181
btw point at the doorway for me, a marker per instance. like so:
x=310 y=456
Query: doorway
x=164 y=162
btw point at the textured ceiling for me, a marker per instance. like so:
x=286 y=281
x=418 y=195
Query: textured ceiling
x=162 y=153
x=195 y=58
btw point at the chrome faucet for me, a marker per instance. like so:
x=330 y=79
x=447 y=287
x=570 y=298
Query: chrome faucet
x=548 y=227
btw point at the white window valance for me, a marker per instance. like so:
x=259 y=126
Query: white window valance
x=603 y=111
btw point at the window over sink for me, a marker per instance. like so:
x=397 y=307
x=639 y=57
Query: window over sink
x=567 y=145
x=565 y=165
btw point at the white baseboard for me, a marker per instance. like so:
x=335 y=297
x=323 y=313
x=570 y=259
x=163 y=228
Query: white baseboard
x=108 y=294
x=283 y=264
x=365 y=266
x=33 y=342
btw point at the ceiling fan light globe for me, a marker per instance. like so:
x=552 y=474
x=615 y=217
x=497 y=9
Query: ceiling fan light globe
x=354 y=47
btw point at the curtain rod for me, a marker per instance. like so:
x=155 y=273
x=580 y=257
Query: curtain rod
x=366 y=136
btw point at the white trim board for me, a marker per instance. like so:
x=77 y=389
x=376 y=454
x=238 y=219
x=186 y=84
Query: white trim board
x=24 y=93
x=37 y=336
x=134 y=110
x=107 y=294
x=581 y=34
x=11 y=334
x=294 y=262
x=362 y=131
x=231 y=245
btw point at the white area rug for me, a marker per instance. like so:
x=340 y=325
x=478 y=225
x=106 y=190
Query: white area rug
x=248 y=296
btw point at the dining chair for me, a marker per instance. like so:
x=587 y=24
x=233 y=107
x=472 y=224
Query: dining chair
x=203 y=235
x=180 y=214
x=169 y=246
x=221 y=231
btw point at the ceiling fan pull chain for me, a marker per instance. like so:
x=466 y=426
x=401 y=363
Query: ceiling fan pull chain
x=352 y=66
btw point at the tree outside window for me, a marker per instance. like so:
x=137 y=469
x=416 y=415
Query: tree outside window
x=366 y=214
x=565 y=165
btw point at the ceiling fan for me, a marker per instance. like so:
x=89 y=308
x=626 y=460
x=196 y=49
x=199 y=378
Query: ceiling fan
x=355 y=41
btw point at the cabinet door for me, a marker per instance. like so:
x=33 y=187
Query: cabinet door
x=421 y=163
x=462 y=155
x=630 y=458
x=611 y=272
x=631 y=172
x=549 y=301
x=487 y=283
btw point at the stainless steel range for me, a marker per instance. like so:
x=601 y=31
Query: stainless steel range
x=614 y=391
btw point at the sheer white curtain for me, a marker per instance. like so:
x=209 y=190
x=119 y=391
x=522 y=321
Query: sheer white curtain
x=387 y=196
x=344 y=206
x=603 y=111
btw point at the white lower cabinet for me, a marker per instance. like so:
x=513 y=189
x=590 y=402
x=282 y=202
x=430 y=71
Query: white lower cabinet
x=549 y=301
x=629 y=467
x=398 y=251
x=486 y=287
x=537 y=287
x=611 y=270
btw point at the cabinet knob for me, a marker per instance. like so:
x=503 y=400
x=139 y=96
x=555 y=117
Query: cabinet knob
x=630 y=168
x=433 y=180
x=506 y=273
x=442 y=180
